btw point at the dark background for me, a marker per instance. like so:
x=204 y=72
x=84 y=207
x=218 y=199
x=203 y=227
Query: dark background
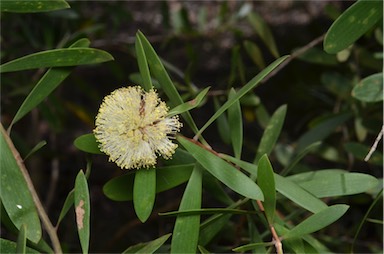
x=203 y=53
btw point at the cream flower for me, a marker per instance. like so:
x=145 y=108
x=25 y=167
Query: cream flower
x=132 y=127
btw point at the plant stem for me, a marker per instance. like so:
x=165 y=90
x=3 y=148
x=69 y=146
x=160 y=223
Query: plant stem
x=374 y=146
x=40 y=209
x=276 y=238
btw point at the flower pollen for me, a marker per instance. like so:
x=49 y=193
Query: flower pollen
x=132 y=128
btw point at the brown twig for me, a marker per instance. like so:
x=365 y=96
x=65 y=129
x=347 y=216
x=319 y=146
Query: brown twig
x=294 y=55
x=374 y=146
x=39 y=206
x=275 y=237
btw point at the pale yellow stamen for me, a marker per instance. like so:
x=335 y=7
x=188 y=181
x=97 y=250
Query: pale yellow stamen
x=132 y=127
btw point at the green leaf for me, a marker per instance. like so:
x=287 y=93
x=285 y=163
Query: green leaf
x=148 y=247
x=265 y=179
x=321 y=131
x=379 y=197
x=255 y=54
x=317 y=221
x=202 y=250
x=49 y=82
x=247 y=166
x=180 y=157
x=189 y=104
x=262 y=29
x=15 y=195
x=298 y=157
x=284 y=186
x=87 y=143
x=271 y=132
x=36 y=148
x=143 y=65
x=214 y=224
x=82 y=210
x=10 y=247
x=352 y=24
x=186 y=231
x=235 y=125
x=251 y=246
x=32 y=6
x=223 y=171
x=57 y=58
x=144 y=192
x=222 y=123
x=245 y=89
x=158 y=70
x=21 y=240
x=215 y=189
x=206 y=211
x=298 y=195
x=337 y=84
x=69 y=201
x=334 y=182
x=318 y=56
x=120 y=188
x=369 y=89
x=255 y=236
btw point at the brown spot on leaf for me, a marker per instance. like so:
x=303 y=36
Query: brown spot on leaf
x=192 y=102
x=80 y=214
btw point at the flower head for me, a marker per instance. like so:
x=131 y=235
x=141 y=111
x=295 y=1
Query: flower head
x=132 y=127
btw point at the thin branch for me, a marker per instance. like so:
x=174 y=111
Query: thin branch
x=40 y=209
x=276 y=238
x=374 y=146
x=294 y=55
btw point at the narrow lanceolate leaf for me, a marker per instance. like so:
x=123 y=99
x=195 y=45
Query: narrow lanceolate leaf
x=36 y=148
x=49 y=82
x=235 y=125
x=209 y=231
x=189 y=104
x=214 y=224
x=369 y=89
x=245 y=89
x=7 y=246
x=32 y=6
x=317 y=221
x=82 y=210
x=68 y=203
x=298 y=195
x=254 y=53
x=202 y=250
x=271 y=132
x=352 y=24
x=186 y=232
x=265 y=179
x=143 y=64
x=334 y=182
x=222 y=123
x=87 y=143
x=120 y=188
x=222 y=170
x=15 y=195
x=148 y=247
x=22 y=240
x=321 y=131
x=57 y=58
x=144 y=193
x=298 y=157
x=158 y=70
x=262 y=29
